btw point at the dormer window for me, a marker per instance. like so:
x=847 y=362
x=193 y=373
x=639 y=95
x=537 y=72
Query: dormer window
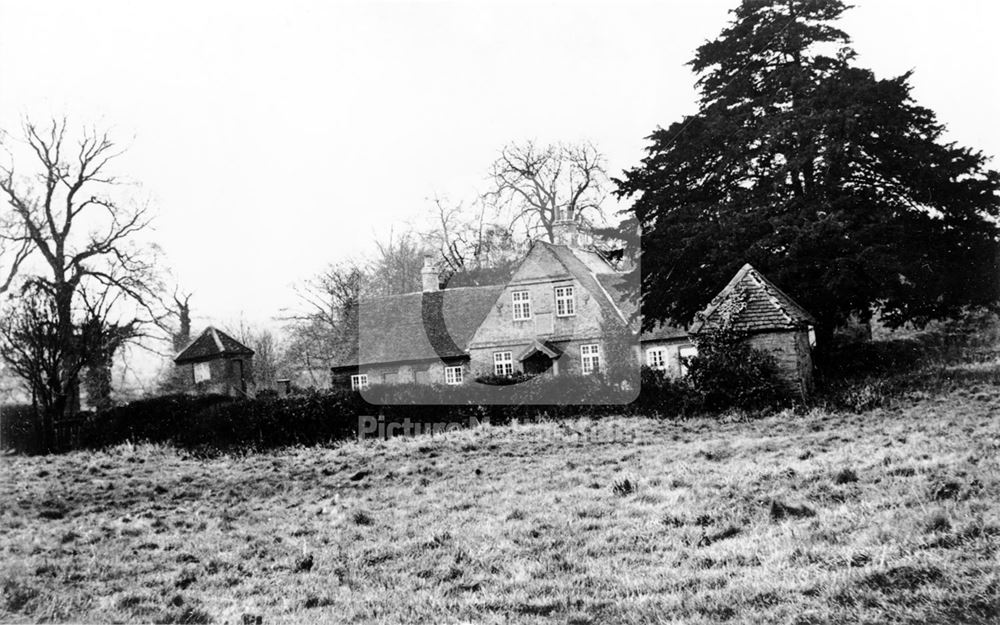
x=521 y=304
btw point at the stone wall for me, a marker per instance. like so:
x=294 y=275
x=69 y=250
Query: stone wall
x=224 y=376
x=793 y=355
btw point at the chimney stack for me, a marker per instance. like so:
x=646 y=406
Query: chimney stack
x=429 y=275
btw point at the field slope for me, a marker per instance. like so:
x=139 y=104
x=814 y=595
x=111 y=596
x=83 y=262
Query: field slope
x=887 y=516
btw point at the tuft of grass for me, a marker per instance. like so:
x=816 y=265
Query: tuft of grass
x=845 y=476
x=624 y=487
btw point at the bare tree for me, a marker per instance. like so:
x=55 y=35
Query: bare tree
x=534 y=187
x=471 y=248
x=86 y=238
x=326 y=320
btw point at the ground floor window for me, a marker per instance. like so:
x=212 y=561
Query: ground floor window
x=656 y=358
x=503 y=363
x=359 y=382
x=685 y=354
x=590 y=357
x=453 y=375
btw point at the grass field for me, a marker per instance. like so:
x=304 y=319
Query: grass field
x=892 y=515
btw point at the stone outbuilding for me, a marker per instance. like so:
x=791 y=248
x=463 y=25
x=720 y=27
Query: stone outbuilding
x=771 y=321
x=216 y=363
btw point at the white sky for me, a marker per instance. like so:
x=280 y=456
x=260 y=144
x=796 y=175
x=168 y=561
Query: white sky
x=275 y=137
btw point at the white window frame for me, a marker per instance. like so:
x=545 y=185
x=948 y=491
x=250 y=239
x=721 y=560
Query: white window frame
x=590 y=358
x=503 y=363
x=565 y=301
x=359 y=381
x=656 y=358
x=453 y=375
x=683 y=353
x=202 y=372
x=521 y=302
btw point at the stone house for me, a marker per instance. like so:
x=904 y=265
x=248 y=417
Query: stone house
x=555 y=316
x=216 y=363
x=771 y=321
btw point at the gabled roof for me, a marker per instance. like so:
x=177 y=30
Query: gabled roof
x=416 y=326
x=589 y=274
x=751 y=303
x=212 y=343
x=538 y=347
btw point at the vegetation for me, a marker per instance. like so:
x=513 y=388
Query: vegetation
x=832 y=182
x=883 y=517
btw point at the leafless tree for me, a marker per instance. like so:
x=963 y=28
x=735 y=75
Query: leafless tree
x=469 y=245
x=536 y=186
x=66 y=208
x=318 y=329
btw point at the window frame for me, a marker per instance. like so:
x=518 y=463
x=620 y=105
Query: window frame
x=503 y=360
x=521 y=305
x=454 y=375
x=359 y=381
x=692 y=351
x=590 y=358
x=205 y=367
x=661 y=354
x=569 y=300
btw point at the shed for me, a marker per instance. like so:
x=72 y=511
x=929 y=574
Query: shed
x=217 y=363
x=771 y=321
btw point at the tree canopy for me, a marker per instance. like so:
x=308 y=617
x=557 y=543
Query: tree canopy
x=834 y=183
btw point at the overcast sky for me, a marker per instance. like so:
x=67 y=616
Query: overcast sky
x=273 y=138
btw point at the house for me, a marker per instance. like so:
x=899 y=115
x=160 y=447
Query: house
x=771 y=321
x=217 y=363
x=562 y=312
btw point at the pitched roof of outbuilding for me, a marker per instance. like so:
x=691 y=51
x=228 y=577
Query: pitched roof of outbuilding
x=752 y=303
x=417 y=326
x=212 y=343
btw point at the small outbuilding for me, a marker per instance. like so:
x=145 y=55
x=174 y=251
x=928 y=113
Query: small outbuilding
x=771 y=321
x=216 y=363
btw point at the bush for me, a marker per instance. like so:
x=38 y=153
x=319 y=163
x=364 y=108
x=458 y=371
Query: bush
x=17 y=427
x=729 y=373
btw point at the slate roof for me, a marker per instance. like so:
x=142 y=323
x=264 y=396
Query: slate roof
x=212 y=343
x=751 y=303
x=617 y=286
x=417 y=326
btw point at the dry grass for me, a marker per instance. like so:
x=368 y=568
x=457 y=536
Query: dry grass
x=887 y=516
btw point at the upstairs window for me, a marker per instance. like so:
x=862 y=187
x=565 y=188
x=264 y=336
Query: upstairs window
x=522 y=305
x=503 y=363
x=590 y=356
x=359 y=382
x=453 y=375
x=656 y=358
x=202 y=372
x=565 y=301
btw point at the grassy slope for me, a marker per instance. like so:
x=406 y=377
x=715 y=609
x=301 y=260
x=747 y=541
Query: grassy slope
x=524 y=524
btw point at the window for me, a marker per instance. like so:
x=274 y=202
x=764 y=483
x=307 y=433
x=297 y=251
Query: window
x=202 y=372
x=656 y=358
x=685 y=354
x=503 y=363
x=591 y=358
x=565 y=302
x=453 y=375
x=522 y=305
x=359 y=382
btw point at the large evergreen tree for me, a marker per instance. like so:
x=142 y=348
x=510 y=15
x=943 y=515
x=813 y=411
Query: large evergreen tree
x=834 y=183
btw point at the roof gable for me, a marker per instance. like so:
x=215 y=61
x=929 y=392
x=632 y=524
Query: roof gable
x=212 y=343
x=752 y=303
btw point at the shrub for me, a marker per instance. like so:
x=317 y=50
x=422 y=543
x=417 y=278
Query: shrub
x=17 y=427
x=729 y=373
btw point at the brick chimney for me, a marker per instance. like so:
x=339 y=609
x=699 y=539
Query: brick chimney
x=566 y=231
x=429 y=275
